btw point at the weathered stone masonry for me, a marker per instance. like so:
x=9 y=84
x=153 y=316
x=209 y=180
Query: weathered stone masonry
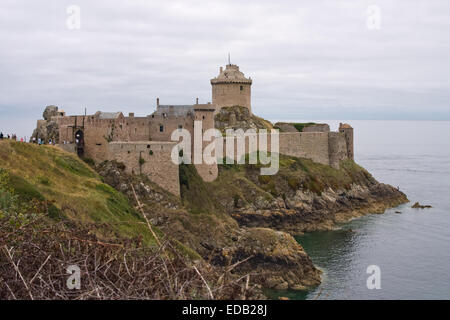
x=328 y=148
x=149 y=158
x=143 y=144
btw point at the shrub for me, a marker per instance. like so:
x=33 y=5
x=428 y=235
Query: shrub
x=294 y=183
x=301 y=126
x=44 y=180
x=89 y=161
x=264 y=179
x=110 y=269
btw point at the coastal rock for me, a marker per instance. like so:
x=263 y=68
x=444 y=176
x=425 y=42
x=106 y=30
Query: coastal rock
x=417 y=205
x=272 y=258
x=306 y=211
x=276 y=260
x=243 y=221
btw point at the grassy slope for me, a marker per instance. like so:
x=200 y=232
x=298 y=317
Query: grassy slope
x=244 y=182
x=76 y=191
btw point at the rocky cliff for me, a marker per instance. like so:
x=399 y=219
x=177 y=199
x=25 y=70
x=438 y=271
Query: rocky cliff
x=303 y=196
x=247 y=219
x=48 y=128
x=272 y=258
x=238 y=117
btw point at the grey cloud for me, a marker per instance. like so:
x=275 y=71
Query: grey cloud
x=307 y=59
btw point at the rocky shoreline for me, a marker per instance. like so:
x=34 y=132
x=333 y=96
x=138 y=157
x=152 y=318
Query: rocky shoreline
x=307 y=211
x=254 y=238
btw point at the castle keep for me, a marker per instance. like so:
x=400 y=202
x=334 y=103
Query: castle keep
x=231 y=88
x=144 y=146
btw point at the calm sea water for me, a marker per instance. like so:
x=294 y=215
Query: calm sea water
x=412 y=249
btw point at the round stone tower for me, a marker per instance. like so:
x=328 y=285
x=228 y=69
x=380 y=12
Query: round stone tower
x=231 y=88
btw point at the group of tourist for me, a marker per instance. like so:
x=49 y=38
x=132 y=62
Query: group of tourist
x=40 y=141
x=35 y=140
x=7 y=136
x=22 y=139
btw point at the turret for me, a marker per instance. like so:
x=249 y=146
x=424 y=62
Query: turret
x=204 y=114
x=231 y=88
x=348 y=131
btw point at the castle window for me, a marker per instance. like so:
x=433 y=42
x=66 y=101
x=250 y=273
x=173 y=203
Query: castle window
x=242 y=88
x=180 y=126
x=203 y=117
x=161 y=128
x=135 y=130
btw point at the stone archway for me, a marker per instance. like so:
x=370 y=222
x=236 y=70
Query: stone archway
x=79 y=142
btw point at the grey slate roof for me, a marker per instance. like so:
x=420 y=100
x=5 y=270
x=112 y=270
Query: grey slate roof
x=179 y=110
x=108 y=115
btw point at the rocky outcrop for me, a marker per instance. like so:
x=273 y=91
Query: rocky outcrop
x=48 y=128
x=285 y=127
x=246 y=221
x=303 y=196
x=308 y=211
x=272 y=258
x=238 y=117
x=277 y=260
x=49 y=112
x=302 y=127
x=417 y=205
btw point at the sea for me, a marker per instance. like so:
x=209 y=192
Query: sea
x=405 y=252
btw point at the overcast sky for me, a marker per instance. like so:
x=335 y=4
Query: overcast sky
x=308 y=59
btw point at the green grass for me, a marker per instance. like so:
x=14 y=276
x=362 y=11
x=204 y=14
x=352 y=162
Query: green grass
x=301 y=126
x=73 y=189
x=195 y=194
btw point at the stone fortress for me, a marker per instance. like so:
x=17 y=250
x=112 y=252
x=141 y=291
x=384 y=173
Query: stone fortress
x=144 y=146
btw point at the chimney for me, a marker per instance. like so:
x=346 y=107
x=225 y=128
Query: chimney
x=157 y=102
x=131 y=114
x=221 y=69
x=196 y=101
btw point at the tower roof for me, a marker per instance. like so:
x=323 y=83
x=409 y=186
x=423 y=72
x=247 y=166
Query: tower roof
x=231 y=74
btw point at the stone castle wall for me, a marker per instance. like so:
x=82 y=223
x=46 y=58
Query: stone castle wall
x=310 y=145
x=231 y=94
x=205 y=114
x=318 y=127
x=327 y=148
x=67 y=147
x=112 y=136
x=99 y=132
x=157 y=162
